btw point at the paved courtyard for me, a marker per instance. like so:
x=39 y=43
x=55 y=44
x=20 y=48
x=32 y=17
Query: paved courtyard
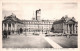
x=22 y=41
x=35 y=41
x=66 y=42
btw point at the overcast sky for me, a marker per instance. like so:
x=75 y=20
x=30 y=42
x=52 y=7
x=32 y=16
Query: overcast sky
x=49 y=10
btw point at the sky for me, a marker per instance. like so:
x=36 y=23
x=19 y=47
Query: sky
x=49 y=10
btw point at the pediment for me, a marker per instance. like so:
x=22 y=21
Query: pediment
x=8 y=21
x=71 y=22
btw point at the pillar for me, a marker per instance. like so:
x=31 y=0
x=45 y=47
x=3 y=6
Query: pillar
x=63 y=28
x=15 y=26
x=68 y=29
x=72 y=28
x=7 y=27
x=75 y=28
x=11 y=26
x=3 y=27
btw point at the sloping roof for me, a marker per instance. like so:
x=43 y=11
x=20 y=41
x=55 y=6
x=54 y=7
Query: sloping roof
x=71 y=21
x=12 y=19
x=65 y=20
x=58 y=21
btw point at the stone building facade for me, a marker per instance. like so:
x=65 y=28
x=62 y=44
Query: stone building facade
x=38 y=25
x=65 y=25
x=11 y=24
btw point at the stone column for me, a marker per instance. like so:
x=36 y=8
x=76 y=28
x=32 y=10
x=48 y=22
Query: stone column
x=7 y=27
x=63 y=28
x=15 y=27
x=11 y=26
x=76 y=29
x=68 y=29
x=72 y=28
x=3 y=26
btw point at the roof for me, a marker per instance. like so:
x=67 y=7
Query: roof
x=58 y=21
x=37 y=20
x=65 y=20
x=12 y=18
x=71 y=21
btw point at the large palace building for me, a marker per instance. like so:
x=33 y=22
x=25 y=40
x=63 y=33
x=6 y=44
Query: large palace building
x=37 y=25
x=13 y=24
